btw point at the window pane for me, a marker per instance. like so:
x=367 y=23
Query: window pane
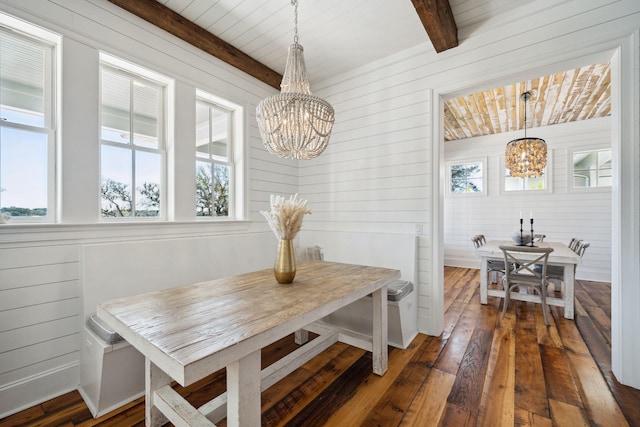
x=23 y=173
x=116 y=106
x=592 y=169
x=466 y=178
x=148 y=177
x=524 y=184
x=221 y=190
x=220 y=132
x=116 y=182
x=202 y=130
x=147 y=104
x=204 y=186
x=212 y=131
x=22 y=80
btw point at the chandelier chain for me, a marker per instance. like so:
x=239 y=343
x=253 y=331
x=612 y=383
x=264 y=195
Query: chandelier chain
x=294 y=3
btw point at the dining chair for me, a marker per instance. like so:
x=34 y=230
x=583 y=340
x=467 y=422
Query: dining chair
x=539 y=237
x=555 y=273
x=525 y=274
x=573 y=243
x=311 y=253
x=494 y=267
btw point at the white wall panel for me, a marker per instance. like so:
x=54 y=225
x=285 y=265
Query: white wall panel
x=374 y=176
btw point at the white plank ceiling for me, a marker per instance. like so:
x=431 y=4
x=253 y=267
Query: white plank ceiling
x=337 y=35
x=341 y=35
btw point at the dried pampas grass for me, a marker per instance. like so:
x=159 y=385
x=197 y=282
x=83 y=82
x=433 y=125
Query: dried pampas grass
x=285 y=218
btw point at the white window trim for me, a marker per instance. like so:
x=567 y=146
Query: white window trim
x=127 y=68
x=548 y=178
x=237 y=158
x=482 y=161
x=570 y=172
x=52 y=103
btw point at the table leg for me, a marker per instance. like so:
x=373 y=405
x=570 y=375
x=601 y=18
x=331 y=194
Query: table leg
x=155 y=378
x=483 y=280
x=380 y=326
x=568 y=294
x=243 y=391
x=301 y=336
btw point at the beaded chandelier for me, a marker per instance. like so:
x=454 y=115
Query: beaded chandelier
x=295 y=124
x=526 y=157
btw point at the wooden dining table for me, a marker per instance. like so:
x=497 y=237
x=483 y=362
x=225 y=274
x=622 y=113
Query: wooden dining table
x=561 y=256
x=189 y=332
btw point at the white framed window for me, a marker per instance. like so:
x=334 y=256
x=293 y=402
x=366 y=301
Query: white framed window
x=467 y=177
x=218 y=149
x=511 y=184
x=132 y=141
x=28 y=121
x=590 y=169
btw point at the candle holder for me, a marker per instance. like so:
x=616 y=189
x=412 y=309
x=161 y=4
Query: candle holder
x=522 y=242
x=531 y=242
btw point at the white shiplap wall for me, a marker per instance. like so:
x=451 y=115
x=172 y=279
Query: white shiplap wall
x=375 y=175
x=39 y=320
x=560 y=214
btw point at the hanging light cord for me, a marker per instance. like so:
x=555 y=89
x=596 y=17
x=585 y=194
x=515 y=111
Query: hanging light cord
x=525 y=98
x=294 y=3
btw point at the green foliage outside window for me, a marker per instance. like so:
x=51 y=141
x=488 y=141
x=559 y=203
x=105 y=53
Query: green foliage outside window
x=466 y=178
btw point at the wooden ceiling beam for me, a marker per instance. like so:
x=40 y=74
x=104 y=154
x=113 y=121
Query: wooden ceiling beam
x=170 y=21
x=437 y=18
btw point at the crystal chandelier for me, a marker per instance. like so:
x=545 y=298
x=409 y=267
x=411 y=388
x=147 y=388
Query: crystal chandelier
x=295 y=124
x=526 y=157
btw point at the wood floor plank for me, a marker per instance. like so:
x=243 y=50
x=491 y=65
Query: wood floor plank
x=458 y=341
x=344 y=371
x=319 y=409
x=467 y=389
x=456 y=416
x=298 y=377
x=565 y=414
x=627 y=398
x=530 y=391
x=593 y=311
x=369 y=393
x=428 y=406
x=393 y=404
x=528 y=419
x=598 y=401
x=497 y=405
x=559 y=380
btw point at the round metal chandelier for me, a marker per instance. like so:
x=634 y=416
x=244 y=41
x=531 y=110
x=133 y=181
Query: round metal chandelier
x=295 y=124
x=526 y=157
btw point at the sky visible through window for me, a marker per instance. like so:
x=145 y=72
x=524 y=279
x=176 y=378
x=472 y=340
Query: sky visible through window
x=23 y=162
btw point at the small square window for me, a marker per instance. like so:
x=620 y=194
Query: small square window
x=466 y=177
x=591 y=169
x=511 y=184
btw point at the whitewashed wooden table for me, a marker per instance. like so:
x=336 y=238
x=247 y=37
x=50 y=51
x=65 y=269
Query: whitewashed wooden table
x=561 y=255
x=189 y=332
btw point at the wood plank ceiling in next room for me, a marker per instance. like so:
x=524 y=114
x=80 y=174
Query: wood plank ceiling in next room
x=580 y=94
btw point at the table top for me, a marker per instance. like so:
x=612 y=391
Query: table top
x=191 y=331
x=561 y=252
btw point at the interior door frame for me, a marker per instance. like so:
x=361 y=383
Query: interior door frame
x=625 y=121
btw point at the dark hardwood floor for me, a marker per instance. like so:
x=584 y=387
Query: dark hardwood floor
x=484 y=370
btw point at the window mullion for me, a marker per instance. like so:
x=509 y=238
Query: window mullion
x=132 y=147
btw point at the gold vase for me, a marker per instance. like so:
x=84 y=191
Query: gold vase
x=285 y=268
